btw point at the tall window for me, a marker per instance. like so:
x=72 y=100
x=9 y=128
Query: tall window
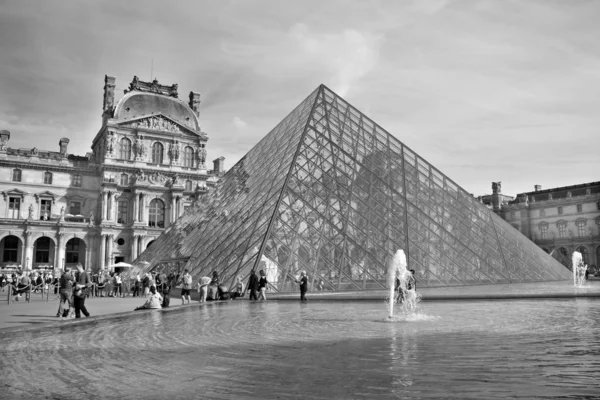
x=157 y=153
x=544 y=231
x=188 y=157
x=42 y=250
x=45 y=209
x=122 y=217
x=75 y=207
x=562 y=231
x=188 y=185
x=48 y=178
x=579 y=208
x=16 y=175
x=11 y=248
x=77 y=180
x=124 y=179
x=157 y=214
x=560 y=210
x=72 y=251
x=14 y=207
x=125 y=149
x=580 y=228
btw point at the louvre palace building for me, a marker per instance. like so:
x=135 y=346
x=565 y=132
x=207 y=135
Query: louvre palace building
x=560 y=220
x=147 y=165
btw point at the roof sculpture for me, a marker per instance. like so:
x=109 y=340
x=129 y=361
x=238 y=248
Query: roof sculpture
x=331 y=192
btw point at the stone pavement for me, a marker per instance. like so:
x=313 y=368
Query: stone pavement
x=40 y=312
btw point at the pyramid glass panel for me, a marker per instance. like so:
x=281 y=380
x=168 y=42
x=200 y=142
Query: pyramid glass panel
x=331 y=192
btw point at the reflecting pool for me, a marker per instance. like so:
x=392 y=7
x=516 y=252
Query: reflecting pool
x=320 y=350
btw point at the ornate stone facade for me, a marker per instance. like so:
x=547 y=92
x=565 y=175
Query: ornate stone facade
x=58 y=209
x=559 y=220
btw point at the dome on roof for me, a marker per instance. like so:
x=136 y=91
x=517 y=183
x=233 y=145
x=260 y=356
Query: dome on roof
x=137 y=104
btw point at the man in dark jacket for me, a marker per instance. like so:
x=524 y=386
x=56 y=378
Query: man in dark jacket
x=82 y=283
x=66 y=291
x=253 y=285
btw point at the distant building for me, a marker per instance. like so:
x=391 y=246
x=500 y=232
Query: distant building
x=146 y=166
x=559 y=220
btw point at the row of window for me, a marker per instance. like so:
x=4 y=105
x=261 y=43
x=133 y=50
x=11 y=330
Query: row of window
x=14 y=208
x=76 y=179
x=17 y=173
x=157 y=153
x=515 y=214
x=42 y=250
x=562 y=230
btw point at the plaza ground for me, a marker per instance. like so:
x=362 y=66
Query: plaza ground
x=39 y=312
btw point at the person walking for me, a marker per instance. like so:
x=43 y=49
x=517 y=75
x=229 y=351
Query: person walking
x=303 y=285
x=253 y=285
x=262 y=286
x=82 y=283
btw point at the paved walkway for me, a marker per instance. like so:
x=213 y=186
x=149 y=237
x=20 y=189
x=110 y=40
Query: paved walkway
x=39 y=312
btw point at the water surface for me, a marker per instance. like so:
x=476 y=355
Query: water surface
x=320 y=350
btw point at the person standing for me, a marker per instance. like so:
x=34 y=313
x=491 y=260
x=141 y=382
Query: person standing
x=253 y=285
x=65 y=291
x=262 y=286
x=303 y=285
x=187 y=287
x=82 y=283
x=203 y=288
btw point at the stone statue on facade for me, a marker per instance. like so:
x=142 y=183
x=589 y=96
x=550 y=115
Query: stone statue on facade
x=496 y=187
x=62 y=213
x=201 y=156
x=136 y=147
x=92 y=217
x=174 y=151
x=110 y=143
x=31 y=211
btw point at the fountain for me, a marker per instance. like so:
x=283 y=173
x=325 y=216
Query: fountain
x=579 y=269
x=407 y=295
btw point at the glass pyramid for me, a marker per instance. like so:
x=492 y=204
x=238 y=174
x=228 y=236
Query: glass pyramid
x=331 y=192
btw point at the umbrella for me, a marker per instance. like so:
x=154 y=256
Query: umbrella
x=121 y=265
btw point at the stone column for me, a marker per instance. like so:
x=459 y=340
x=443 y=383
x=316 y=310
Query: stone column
x=142 y=207
x=27 y=253
x=102 y=257
x=136 y=201
x=172 y=214
x=115 y=203
x=104 y=206
x=134 y=247
x=60 y=251
x=109 y=257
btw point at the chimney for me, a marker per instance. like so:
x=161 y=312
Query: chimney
x=219 y=165
x=63 y=143
x=109 y=93
x=537 y=187
x=195 y=103
x=496 y=200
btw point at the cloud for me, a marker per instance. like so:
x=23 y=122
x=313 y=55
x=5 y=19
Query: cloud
x=239 y=123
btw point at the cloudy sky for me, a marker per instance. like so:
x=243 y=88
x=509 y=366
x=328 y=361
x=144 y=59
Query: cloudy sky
x=484 y=90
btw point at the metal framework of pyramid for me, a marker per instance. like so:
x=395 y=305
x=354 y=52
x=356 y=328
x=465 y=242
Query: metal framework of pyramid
x=331 y=192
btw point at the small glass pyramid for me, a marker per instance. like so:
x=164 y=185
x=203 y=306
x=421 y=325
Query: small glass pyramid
x=331 y=192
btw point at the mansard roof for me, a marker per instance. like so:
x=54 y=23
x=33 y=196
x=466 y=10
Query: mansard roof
x=136 y=104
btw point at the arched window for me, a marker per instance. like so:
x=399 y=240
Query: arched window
x=125 y=149
x=157 y=153
x=76 y=180
x=188 y=157
x=124 y=179
x=72 y=251
x=16 y=175
x=584 y=254
x=188 y=186
x=157 y=214
x=48 y=178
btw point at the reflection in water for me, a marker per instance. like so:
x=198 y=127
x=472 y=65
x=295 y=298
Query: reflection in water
x=533 y=349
